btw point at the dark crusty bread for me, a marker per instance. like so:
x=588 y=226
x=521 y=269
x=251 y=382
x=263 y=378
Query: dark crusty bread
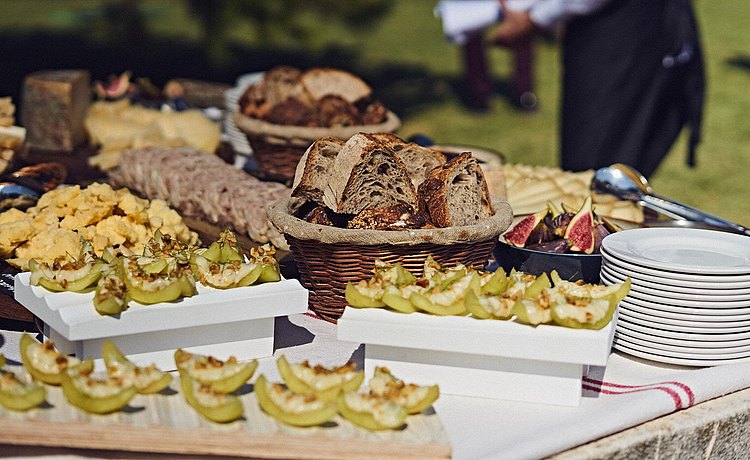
x=418 y=160
x=281 y=83
x=456 y=193
x=276 y=86
x=400 y=216
x=321 y=81
x=314 y=169
x=367 y=175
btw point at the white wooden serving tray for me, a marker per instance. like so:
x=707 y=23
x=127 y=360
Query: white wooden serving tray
x=482 y=358
x=164 y=424
x=221 y=323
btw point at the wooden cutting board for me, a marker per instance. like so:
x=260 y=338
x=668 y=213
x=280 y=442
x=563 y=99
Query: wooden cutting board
x=164 y=423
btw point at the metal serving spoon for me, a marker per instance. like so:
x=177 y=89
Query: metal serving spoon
x=626 y=183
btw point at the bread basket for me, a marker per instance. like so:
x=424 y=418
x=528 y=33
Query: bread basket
x=329 y=257
x=278 y=148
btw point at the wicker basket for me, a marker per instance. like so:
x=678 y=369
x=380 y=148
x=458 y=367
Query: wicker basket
x=278 y=148
x=328 y=257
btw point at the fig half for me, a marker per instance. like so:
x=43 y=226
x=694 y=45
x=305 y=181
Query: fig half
x=580 y=230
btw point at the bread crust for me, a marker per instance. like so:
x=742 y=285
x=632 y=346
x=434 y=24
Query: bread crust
x=438 y=195
x=400 y=216
x=315 y=168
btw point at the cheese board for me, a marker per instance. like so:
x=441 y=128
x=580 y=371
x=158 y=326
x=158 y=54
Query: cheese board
x=481 y=358
x=237 y=321
x=164 y=423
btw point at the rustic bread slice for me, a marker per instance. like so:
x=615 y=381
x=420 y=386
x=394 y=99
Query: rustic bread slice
x=367 y=175
x=314 y=169
x=349 y=155
x=419 y=160
x=282 y=83
x=322 y=81
x=456 y=193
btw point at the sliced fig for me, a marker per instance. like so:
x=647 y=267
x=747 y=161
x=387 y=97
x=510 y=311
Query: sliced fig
x=519 y=233
x=580 y=230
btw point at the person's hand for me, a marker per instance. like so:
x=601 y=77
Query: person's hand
x=515 y=29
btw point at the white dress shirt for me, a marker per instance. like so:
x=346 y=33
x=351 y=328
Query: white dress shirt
x=548 y=13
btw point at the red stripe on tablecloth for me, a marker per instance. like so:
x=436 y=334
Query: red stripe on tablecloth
x=688 y=391
x=311 y=314
x=672 y=394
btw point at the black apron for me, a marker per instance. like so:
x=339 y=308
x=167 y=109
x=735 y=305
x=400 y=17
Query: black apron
x=633 y=78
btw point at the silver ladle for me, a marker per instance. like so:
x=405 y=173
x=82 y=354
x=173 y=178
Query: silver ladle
x=626 y=183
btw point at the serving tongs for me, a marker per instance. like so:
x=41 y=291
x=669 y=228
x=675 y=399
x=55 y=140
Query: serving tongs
x=628 y=184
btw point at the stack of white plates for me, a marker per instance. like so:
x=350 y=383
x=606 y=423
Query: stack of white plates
x=689 y=302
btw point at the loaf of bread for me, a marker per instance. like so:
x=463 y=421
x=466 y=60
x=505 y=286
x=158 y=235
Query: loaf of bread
x=317 y=97
x=369 y=183
x=366 y=174
x=456 y=193
x=53 y=106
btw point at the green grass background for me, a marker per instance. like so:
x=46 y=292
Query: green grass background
x=417 y=73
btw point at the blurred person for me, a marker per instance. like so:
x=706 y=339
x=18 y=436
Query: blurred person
x=633 y=77
x=464 y=23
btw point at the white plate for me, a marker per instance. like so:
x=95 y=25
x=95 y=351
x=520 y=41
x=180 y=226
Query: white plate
x=693 y=281
x=729 y=346
x=730 y=280
x=708 y=353
x=667 y=295
x=716 y=289
x=684 y=250
x=686 y=354
x=666 y=332
x=683 y=325
x=624 y=348
x=715 y=314
x=712 y=304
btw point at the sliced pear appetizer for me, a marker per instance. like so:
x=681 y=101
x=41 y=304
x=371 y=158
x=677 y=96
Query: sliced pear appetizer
x=221 y=376
x=17 y=392
x=44 y=362
x=213 y=405
x=77 y=275
x=146 y=380
x=320 y=381
x=290 y=407
x=97 y=393
x=370 y=411
x=415 y=398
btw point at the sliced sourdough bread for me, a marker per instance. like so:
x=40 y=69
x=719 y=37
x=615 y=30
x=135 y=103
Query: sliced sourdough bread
x=323 y=81
x=456 y=193
x=367 y=175
x=315 y=168
x=419 y=160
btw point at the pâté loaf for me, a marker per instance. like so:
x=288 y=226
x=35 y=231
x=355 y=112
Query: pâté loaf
x=53 y=106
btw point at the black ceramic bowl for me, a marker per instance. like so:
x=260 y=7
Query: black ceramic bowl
x=571 y=267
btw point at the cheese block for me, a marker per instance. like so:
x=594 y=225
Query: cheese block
x=53 y=106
